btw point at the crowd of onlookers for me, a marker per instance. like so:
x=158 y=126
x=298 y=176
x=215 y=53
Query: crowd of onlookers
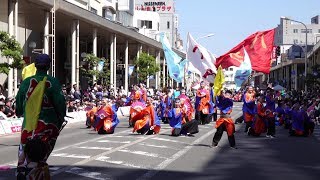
x=81 y=99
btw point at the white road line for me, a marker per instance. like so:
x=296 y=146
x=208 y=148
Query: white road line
x=167 y=140
x=106 y=159
x=77 y=144
x=164 y=164
x=143 y=153
x=93 y=148
x=157 y=146
x=88 y=174
x=102 y=154
x=54 y=168
x=77 y=156
x=109 y=141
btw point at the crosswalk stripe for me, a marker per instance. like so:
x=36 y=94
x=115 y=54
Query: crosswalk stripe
x=109 y=141
x=157 y=146
x=78 y=156
x=93 y=148
x=167 y=140
x=106 y=159
x=143 y=153
x=88 y=174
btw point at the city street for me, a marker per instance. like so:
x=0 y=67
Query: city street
x=81 y=153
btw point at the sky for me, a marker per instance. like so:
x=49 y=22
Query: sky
x=232 y=21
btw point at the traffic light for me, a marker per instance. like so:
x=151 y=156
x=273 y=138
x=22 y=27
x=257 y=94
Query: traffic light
x=278 y=51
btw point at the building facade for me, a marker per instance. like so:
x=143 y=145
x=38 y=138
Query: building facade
x=69 y=29
x=289 y=33
x=168 y=19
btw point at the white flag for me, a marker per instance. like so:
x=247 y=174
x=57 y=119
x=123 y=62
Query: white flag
x=201 y=61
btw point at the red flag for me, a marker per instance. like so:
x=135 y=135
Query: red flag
x=259 y=47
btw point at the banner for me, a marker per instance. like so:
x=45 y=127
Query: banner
x=244 y=71
x=174 y=62
x=100 y=65
x=259 y=47
x=201 y=61
x=131 y=68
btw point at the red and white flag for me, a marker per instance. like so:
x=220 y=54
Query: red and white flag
x=200 y=60
x=259 y=47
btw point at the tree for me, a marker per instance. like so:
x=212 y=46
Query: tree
x=88 y=71
x=10 y=48
x=314 y=77
x=146 y=67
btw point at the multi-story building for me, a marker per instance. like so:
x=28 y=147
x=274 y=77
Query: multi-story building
x=68 y=29
x=168 y=19
x=289 y=33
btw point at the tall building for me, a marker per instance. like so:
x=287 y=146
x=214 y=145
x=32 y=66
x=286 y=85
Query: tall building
x=289 y=33
x=168 y=19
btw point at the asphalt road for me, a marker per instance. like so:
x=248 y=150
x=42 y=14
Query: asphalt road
x=82 y=154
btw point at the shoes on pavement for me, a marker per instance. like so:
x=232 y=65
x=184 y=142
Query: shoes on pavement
x=233 y=147
x=190 y=135
x=248 y=132
x=268 y=136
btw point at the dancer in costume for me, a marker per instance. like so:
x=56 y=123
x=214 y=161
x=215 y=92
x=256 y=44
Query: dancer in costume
x=248 y=107
x=202 y=104
x=213 y=108
x=146 y=121
x=270 y=111
x=180 y=123
x=106 y=119
x=259 y=124
x=186 y=104
x=41 y=102
x=225 y=122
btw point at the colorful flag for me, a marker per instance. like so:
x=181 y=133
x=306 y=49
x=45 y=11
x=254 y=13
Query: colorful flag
x=259 y=47
x=28 y=71
x=131 y=68
x=244 y=71
x=100 y=65
x=174 y=62
x=33 y=106
x=218 y=82
x=201 y=61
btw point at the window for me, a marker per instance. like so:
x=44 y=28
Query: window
x=318 y=30
x=93 y=10
x=304 y=30
x=295 y=41
x=147 y=24
x=295 y=30
x=230 y=69
x=168 y=24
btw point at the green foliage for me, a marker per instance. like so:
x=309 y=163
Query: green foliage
x=146 y=66
x=314 y=77
x=88 y=71
x=10 y=48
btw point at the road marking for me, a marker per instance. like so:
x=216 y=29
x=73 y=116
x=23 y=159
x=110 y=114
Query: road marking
x=102 y=154
x=164 y=164
x=94 y=148
x=88 y=174
x=54 y=168
x=106 y=159
x=143 y=153
x=77 y=144
x=109 y=141
x=157 y=146
x=168 y=140
x=78 y=156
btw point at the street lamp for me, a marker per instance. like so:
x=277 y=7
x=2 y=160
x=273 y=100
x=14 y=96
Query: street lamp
x=305 y=49
x=206 y=36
